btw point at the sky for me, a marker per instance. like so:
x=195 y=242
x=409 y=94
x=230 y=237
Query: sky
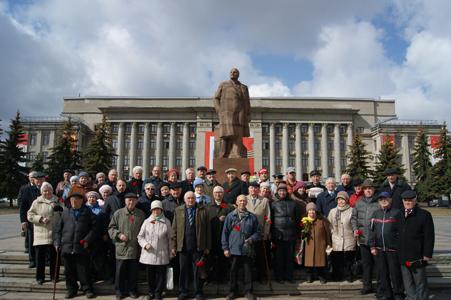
x=399 y=49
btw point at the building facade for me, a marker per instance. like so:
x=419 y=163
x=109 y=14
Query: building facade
x=305 y=133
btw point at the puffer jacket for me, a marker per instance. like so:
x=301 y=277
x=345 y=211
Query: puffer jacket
x=361 y=217
x=285 y=216
x=158 y=234
x=342 y=235
x=236 y=231
x=42 y=208
x=384 y=226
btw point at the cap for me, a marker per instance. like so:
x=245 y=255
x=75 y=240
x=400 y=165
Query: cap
x=282 y=186
x=277 y=176
x=315 y=173
x=130 y=195
x=262 y=171
x=254 y=184
x=211 y=172
x=230 y=170
x=156 y=204
x=391 y=171
x=367 y=183
x=164 y=184
x=202 y=168
x=310 y=206
x=39 y=175
x=175 y=185
x=409 y=194
x=198 y=181
x=246 y=172
x=83 y=174
x=290 y=170
x=383 y=195
x=342 y=195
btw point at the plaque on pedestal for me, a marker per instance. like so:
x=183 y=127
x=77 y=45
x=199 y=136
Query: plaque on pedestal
x=221 y=164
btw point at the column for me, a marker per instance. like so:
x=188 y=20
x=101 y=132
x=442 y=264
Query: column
x=272 y=149
x=159 y=145
x=171 y=155
x=120 y=150
x=298 y=152
x=185 y=149
x=337 y=150
x=285 y=152
x=349 y=132
x=132 y=150
x=311 y=148
x=146 y=157
x=324 y=158
x=406 y=156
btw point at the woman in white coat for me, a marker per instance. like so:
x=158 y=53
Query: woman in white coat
x=154 y=238
x=44 y=212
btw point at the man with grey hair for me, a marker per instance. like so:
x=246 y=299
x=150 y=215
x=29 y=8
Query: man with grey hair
x=112 y=179
x=346 y=184
x=187 y=184
x=326 y=200
x=135 y=184
x=146 y=199
x=155 y=179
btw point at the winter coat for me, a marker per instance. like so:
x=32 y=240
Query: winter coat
x=233 y=108
x=399 y=187
x=26 y=198
x=342 y=235
x=203 y=228
x=361 y=217
x=348 y=189
x=209 y=186
x=285 y=216
x=144 y=204
x=112 y=204
x=262 y=210
x=135 y=186
x=214 y=212
x=128 y=223
x=233 y=189
x=72 y=231
x=384 y=226
x=325 y=202
x=316 y=245
x=157 y=234
x=236 y=231
x=169 y=206
x=416 y=236
x=354 y=198
x=42 y=208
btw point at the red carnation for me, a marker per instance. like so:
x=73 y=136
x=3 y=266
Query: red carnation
x=237 y=228
x=408 y=264
x=269 y=222
x=265 y=218
x=82 y=242
x=222 y=205
x=301 y=224
x=200 y=263
x=132 y=219
x=134 y=183
x=359 y=232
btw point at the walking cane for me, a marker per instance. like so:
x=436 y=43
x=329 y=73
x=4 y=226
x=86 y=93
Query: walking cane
x=55 y=272
x=268 y=273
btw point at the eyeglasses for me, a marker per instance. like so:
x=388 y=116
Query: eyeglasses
x=148 y=189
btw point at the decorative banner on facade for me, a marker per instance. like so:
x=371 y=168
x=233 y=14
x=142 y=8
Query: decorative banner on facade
x=388 y=137
x=434 y=142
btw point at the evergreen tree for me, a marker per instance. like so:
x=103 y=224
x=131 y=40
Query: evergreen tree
x=440 y=180
x=64 y=155
x=13 y=173
x=358 y=159
x=388 y=157
x=422 y=165
x=100 y=152
x=38 y=163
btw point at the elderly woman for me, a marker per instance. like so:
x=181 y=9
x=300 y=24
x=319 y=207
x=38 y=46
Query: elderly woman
x=73 y=182
x=44 y=213
x=343 y=240
x=318 y=240
x=172 y=176
x=104 y=191
x=135 y=184
x=154 y=238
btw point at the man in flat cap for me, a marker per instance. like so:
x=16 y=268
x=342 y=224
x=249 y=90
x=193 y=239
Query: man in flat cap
x=233 y=187
x=416 y=245
x=394 y=186
x=123 y=230
x=210 y=182
x=315 y=184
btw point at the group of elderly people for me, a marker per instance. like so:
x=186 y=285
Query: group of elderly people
x=111 y=229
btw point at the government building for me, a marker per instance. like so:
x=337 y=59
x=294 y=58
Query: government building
x=305 y=133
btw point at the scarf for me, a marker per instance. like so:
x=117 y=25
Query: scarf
x=95 y=208
x=339 y=212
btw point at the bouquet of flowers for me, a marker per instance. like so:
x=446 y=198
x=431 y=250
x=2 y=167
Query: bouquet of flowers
x=306 y=227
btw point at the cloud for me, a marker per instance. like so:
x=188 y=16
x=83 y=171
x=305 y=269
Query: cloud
x=274 y=89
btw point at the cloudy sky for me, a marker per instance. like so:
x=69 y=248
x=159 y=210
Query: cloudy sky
x=351 y=48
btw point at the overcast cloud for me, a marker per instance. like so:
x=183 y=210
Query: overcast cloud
x=50 y=49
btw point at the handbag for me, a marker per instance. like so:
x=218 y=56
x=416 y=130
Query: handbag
x=169 y=278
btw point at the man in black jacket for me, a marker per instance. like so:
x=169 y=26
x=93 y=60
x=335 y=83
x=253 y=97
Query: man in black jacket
x=74 y=233
x=116 y=200
x=233 y=187
x=416 y=245
x=394 y=186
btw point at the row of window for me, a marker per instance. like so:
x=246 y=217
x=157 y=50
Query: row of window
x=33 y=136
x=153 y=128
x=278 y=128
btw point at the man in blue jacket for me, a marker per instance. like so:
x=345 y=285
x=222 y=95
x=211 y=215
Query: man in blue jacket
x=326 y=200
x=240 y=232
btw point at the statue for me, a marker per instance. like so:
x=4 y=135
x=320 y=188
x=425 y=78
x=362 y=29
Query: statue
x=233 y=108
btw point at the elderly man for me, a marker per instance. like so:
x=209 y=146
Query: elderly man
x=360 y=221
x=346 y=184
x=155 y=179
x=210 y=182
x=217 y=212
x=192 y=241
x=245 y=177
x=146 y=199
x=174 y=200
x=326 y=200
x=187 y=184
x=394 y=186
x=112 y=179
x=314 y=184
x=65 y=183
x=290 y=179
x=115 y=201
x=260 y=207
x=384 y=239
x=201 y=172
x=241 y=231
x=123 y=230
x=233 y=106
x=75 y=231
x=416 y=245
x=135 y=184
x=233 y=187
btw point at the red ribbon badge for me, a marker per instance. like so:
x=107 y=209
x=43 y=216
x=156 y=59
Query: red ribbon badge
x=237 y=228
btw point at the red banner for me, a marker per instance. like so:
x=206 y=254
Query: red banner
x=435 y=141
x=388 y=137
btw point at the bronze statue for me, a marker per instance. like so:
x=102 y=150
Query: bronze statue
x=233 y=108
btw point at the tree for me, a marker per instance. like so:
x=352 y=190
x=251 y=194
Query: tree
x=13 y=173
x=38 y=163
x=358 y=159
x=422 y=165
x=388 y=157
x=65 y=154
x=440 y=179
x=100 y=152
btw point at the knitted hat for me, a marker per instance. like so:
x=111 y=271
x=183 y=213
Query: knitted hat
x=198 y=181
x=310 y=206
x=343 y=195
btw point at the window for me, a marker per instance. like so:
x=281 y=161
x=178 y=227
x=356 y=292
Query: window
x=114 y=161
x=128 y=128
x=153 y=145
x=165 y=161
x=178 y=161
x=278 y=145
x=304 y=129
x=126 y=161
x=316 y=163
x=192 y=162
x=152 y=161
x=179 y=128
x=141 y=128
x=114 y=144
x=139 y=160
x=331 y=161
x=278 y=128
x=343 y=129
x=265 y=128
x=178 y=145
x=127 y=143
x=330 y=145
x=32 y=139
x=291 y=146
x=304 y=163
x=166 y=128
x=278 y=162
x=344 y=163
x=45 y=138
x=192 y=145
x=291 y=161
x=304 y=145
x=140 y=144
x=114 y=128
x=342 y=145
x=166 y=144
x=265 y=161
x=153 y=128
x=316 y=149
x=330 y=129
x=316 y=128
x=265 y=145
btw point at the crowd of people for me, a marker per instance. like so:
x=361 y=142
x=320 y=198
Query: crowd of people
x=198 y=230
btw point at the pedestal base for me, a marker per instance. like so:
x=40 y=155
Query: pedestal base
x=222 y=164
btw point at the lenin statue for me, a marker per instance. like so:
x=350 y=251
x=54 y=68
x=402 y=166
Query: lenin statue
x=233 y=108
